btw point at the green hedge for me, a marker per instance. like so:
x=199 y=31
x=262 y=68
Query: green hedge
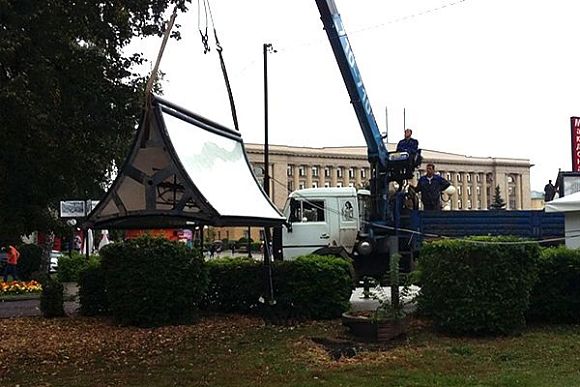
x=70 y=267
x=310 y=287
x=556 y=295
x=29 y=261
x=92 y=292
x=473 y=287
x=235 y=284
x=153 y=281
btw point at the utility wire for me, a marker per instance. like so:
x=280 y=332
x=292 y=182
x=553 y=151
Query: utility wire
x=321 y=41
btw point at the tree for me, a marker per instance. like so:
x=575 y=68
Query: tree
x=498 y=203
x=70 y=101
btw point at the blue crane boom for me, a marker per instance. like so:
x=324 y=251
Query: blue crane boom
x=378 y=154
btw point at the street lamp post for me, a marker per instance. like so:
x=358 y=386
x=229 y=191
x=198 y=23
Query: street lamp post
x=267 y=48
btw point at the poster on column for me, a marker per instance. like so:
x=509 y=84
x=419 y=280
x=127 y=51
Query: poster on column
x=575 y=129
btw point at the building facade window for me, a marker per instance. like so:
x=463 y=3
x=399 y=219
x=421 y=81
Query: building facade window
x=351 y=173
x=468 y=177
x=339 y=172
x=315 y=171
x=351 y=185
x=289 y=170
x=326 y=184
x=459 y=177
x=339 y=184
x=314 y=184
x=290 y=186
x=327 y=172
x=363 y=173
x=301 y=171
x=301 y=185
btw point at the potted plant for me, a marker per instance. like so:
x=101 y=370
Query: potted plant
x=389 y=319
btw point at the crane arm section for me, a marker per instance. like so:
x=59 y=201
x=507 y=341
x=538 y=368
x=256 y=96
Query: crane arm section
x=377 y=152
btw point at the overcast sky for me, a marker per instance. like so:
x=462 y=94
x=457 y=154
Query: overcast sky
x=486 y=78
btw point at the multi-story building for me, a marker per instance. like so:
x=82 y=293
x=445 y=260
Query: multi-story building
x=475 y=178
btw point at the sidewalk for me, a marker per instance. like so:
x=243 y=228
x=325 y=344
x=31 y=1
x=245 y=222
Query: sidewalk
x=31 y=308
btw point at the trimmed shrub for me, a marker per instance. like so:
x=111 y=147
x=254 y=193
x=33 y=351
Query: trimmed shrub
x=153 y=281
x=556 y=294
x=473 y=287
x=92 y=292
x=29 y=261
x=51 y=298
x=235 y=285
x=310 y=287
x=70 y=267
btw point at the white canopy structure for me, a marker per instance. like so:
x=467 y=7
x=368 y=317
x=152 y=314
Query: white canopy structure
x=570 y=206
x=568 y=203
x=184 y=170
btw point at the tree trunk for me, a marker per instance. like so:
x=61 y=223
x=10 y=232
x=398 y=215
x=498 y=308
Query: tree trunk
x=46 y=251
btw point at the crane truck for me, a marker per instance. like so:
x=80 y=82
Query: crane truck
x=370 y=225
x=365 y=223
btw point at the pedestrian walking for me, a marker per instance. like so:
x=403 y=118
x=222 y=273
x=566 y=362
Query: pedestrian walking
x=12 y=256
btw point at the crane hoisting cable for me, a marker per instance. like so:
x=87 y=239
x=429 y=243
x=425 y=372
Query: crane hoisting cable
x=219 y=49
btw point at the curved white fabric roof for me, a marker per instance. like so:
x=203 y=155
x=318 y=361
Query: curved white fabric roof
x=218 y=167
x=184 y=170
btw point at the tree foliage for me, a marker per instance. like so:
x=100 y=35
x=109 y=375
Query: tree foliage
x=70 y=100
x=497 y=203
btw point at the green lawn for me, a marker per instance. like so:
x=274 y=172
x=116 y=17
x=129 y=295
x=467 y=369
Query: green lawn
x=241 y=351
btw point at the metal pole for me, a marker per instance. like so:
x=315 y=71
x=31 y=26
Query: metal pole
x=249 y=242
x=269 y=288
x=266 y=47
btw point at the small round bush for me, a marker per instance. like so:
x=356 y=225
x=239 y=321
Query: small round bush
x=153 y=281
x=52 y=298
x=92 y=292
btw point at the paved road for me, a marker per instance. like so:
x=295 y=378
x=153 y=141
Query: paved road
x=29 y=308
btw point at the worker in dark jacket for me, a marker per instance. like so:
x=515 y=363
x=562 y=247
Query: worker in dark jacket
x=431 y=185
x=408 y=144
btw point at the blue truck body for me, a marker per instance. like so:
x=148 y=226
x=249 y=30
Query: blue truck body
x=532 y=224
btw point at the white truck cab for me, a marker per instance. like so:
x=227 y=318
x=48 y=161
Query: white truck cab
x=323 y=217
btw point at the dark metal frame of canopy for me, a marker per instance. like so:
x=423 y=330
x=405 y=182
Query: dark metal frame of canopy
x=153 y=188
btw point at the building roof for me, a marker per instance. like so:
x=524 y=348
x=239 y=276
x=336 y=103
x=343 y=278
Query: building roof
x=361 y=152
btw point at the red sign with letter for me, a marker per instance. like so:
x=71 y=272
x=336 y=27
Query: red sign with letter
x=575 y=128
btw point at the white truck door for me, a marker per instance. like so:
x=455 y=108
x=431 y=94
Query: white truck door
x=348 y=222
x=310 y=227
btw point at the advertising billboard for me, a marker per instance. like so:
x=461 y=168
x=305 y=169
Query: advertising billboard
x=575 y=131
